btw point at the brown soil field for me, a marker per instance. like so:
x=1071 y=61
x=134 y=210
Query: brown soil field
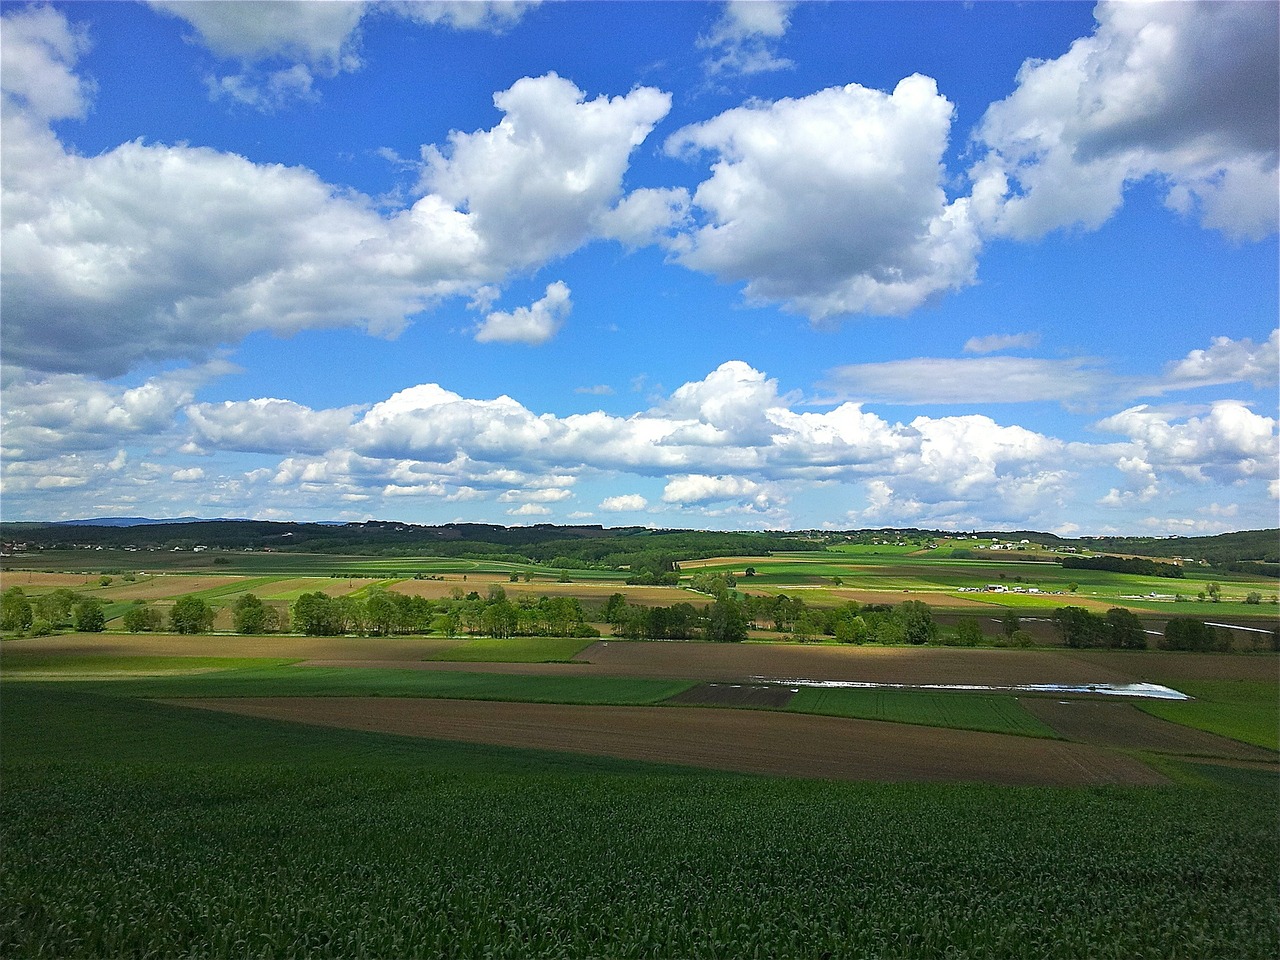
x=738 y=740
x=734 y=695
x=1124 y=725
x=1162 y=666
x=738 y=662
x=379 y=651
x=27 y=578
x=168 y=585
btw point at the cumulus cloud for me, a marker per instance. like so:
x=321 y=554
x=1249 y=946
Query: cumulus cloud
x=830 y=204
x=268 y=425
x=532 y=325
x=1229 y=442
x=147 y=252
x=40 y=50
x=535 y=184
x=62 y=414
x=624 y=503
x=741 y=40
x=697 y=488
x=1185 y=93
x=1227 y=361
x=493 y=16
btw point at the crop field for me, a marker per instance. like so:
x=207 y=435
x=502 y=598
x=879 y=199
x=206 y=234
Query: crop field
x=136 y=828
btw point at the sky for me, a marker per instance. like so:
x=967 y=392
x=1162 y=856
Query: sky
x=746 y=265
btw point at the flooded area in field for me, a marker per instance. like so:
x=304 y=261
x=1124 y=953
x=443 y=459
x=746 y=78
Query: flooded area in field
x=1150 y=691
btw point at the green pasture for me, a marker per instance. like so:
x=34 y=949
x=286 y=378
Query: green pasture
x=960 y=710
x=516 y=650
x=1243 y=710
x=132 y=828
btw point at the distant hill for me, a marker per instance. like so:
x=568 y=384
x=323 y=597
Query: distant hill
x=125 y=521
x=583 y=545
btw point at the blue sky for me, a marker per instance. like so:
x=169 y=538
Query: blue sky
x=735 y=266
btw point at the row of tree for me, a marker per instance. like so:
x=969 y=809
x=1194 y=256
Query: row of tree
x=58 y=609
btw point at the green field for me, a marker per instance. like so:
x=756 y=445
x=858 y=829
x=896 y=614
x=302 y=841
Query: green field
x=136 y=829
x=1243 y=710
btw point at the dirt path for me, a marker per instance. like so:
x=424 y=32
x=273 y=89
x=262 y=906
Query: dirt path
x=736 y=740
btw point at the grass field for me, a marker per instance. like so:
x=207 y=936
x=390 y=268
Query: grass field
x=136 y=829
x=1244 y=710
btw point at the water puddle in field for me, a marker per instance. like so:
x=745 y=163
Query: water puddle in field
x=1149 y=691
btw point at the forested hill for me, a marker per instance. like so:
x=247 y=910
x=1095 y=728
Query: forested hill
x=563 y=546
x=583 y=545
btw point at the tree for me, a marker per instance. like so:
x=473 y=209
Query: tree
x=1215 y=592
x=917 y=621
x=1186 y=633
x=15 y=610
x=191 y=615
x=313 y=616
x=1253 y=598
x=141 y=616
x=726 y=622
x=1080 y=628
x=968 y=632
x=89 y=617
x=249 y=614
x=1010 y=624
x=1124 y=630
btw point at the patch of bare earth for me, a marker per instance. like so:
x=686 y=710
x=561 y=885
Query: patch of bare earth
x=33 y=578
x=1124 y=725
x=736 y=662
x=166 y=586
x=744 y=741
x=379 y=651
x=734 y=695
x=1162 y=666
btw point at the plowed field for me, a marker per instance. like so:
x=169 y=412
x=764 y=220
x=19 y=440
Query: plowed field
x=738 y=740
x=733 y=662
x=1124 y=725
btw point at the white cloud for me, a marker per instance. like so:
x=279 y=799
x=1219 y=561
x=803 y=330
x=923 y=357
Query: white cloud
x=529 y=510
x=1227 y=443
x=493 y=16
x=970 y=380
x=49 y=416
x=1186 y=93
x=147 y=253
x=532 y=325
x=646 y=216
x=188 y=475
x=535 y=185
x=39 y=49
x=741 y=40
x=1002 y=341
x=832 y=203
x=320 y=34
x=1227 y=361
x=598 y=390
x=279 y=89
x=698 y=488
x=269 y=425
x=624 y=503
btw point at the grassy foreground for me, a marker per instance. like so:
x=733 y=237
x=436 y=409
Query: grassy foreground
x=135 y=829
